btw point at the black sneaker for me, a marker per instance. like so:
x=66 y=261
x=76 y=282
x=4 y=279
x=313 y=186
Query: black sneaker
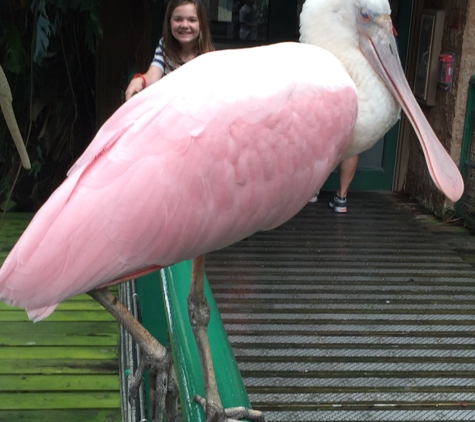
x=338 y=204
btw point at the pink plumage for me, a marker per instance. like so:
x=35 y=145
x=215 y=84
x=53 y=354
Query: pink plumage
x=232 y=143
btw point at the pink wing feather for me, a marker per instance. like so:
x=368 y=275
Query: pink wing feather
x=232 y=143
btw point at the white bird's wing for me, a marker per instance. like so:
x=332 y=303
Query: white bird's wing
x=232 y=143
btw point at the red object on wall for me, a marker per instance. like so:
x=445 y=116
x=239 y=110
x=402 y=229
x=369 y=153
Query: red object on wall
x=446 y=69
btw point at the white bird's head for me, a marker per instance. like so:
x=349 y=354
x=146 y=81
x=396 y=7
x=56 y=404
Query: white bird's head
x=336 y=24
x=360 y=34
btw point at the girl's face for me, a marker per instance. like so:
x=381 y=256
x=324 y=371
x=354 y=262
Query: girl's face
x=184 y=24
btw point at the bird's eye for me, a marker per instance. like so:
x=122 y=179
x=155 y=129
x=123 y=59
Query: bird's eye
x=365 y=15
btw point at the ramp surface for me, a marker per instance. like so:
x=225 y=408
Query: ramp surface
x=367 y=316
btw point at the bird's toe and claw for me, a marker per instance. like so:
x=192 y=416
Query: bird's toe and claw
x=216 y=413
x=163 y=386
x=157 y=358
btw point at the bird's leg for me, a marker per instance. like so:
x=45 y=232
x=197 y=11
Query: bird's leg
x=154 y=356
x=199 y=314
x=171 y=400
x=163 y=390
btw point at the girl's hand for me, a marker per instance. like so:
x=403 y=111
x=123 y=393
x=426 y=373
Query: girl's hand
x=154 y=74
x=135 y=86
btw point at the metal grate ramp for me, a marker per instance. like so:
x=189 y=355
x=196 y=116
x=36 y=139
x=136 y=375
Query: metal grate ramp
x=367 y=316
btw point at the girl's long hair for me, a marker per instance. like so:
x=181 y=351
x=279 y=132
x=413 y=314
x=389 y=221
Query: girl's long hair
x=172 y=48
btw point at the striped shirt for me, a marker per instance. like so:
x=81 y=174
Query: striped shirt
x=159 y=60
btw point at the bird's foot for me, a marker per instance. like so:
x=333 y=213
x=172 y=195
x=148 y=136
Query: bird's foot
x=216 y=413
x=163 y=386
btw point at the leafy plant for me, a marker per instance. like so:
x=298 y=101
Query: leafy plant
x=43 y=30
x=47 y=50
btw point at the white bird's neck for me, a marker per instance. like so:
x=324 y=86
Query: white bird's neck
x=336 y=33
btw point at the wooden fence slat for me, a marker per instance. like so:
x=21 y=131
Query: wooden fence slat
x=79 y=352
x=59 y=400
x=70 y=305
x=64 y=316
x=59 y=366
x=59 y=333
x=78 y=415
x=31 y=383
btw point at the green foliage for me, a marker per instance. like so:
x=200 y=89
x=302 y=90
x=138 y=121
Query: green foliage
x=17 y=56
x=43 y=30
x=47 y=50
x=37 y=164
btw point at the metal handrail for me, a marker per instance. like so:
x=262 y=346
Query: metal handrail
x=163 y=310
x=176 y=285
x=129 y=359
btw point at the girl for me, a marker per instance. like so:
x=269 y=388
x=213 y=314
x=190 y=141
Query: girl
x=186 y=35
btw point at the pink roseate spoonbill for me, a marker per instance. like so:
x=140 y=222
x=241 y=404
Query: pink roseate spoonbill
x=232 y=143
x=7 y=110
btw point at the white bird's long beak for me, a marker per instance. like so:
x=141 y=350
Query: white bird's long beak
x=378 y=45
x=7 y=110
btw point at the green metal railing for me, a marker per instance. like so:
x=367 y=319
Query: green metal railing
x=164 y=308
x=465 y=207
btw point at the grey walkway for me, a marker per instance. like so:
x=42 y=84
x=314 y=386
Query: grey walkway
x=367 y=316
